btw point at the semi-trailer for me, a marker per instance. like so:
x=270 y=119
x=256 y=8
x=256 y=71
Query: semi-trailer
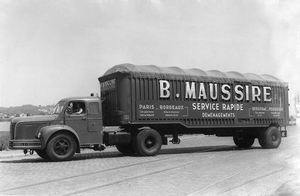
x=148 y=103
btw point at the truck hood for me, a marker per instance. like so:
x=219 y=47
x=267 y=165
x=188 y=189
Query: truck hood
x=43 y=118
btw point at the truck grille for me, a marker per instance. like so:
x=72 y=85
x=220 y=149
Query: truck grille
x=27 y=131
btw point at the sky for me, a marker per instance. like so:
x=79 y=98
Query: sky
x=55 y=49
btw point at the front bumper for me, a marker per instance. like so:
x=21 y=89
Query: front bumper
x=25 y=144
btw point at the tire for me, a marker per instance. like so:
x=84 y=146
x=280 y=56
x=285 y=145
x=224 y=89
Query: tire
x=147 y=142
x=61 y=147
x=261 y=141
x=270 y=138
x=246 y=142
x=43 y=154
x=126 y=149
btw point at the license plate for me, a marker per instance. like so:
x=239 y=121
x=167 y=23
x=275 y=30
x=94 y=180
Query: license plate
x=283 y=133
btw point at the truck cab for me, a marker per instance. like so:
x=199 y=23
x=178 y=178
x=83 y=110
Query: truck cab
x=76 y=123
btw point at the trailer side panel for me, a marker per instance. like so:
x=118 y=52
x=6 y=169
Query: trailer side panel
x=192 y=98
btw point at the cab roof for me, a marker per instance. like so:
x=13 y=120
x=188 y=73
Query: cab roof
x=86 y=99
x=152 y=71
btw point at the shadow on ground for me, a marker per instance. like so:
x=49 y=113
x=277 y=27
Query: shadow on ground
x=117 y=154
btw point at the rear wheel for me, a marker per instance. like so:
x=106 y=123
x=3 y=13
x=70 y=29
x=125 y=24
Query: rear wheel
x=61 y=147
x=147 y=142
x=270 y=138
x=245 y=142
x=125 y=148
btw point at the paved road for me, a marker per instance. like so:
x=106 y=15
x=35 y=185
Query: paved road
x=200 y=165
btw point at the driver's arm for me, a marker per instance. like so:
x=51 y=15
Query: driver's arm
x=80 y=111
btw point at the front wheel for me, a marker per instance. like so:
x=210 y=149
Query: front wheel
x=61 y=147
x=43 y=154
x=147 y=142
x=270 y=138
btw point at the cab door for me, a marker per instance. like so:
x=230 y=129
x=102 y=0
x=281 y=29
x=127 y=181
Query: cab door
x=95 y=124
x=78 y=122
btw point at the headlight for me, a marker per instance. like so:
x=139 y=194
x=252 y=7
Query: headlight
x=39 y=135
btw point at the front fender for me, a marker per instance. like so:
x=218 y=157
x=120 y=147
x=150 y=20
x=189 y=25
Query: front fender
x=47 y=131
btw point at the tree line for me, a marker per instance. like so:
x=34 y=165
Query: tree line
x=27 y=110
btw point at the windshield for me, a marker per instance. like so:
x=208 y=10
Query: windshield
x=59 y=107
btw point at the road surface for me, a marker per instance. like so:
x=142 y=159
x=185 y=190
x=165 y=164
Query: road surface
x=200 y=165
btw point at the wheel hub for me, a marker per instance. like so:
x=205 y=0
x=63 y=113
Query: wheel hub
x=274 y=137
x=61 y=147
x=149 y=143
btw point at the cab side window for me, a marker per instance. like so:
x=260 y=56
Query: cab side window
x=77 y=108
x=94 y=108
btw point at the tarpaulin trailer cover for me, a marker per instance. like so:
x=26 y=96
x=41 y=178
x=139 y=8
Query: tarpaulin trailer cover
x=193 y=98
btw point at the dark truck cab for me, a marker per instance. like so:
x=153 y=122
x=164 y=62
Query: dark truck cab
x=60 y=135
x=148 y=104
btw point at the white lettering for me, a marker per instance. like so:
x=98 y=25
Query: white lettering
x=213 y=87
x=226 y=92
x=239 y=92
x=256 y=93
x=267 y=94
x=232 y=106
x=164 y=89
x=190 y=91
x=247 y=93
x=202 y=92
x=146 y=107
x=205 y=106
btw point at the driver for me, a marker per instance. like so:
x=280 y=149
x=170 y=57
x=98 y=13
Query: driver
x=78 y=109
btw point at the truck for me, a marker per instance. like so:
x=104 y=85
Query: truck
x=148 y=106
